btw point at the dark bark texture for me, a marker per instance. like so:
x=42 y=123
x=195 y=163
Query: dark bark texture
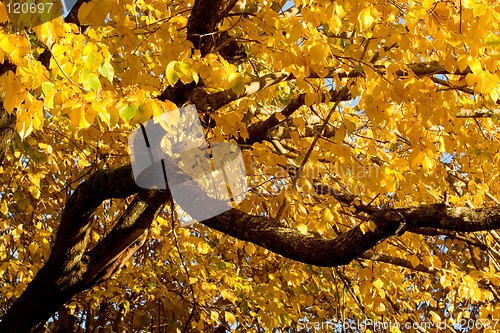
x=7 y=131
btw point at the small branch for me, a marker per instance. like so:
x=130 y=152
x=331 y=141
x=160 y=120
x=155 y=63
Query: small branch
x=478 y=113
x=448 y=84
x=369 y=255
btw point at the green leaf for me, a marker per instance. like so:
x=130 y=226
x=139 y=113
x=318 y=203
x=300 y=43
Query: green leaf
x=91 y=81
x=107 y=71
x=237 y=83
x=49 y=92
x=127 y=112
x=171 y=72
x=47 y=86
x=492 y=40
x=186 y=67
x=89 y=59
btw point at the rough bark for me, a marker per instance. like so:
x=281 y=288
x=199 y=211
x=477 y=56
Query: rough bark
x=71 y=267
x=204 y=34
x=7 y=131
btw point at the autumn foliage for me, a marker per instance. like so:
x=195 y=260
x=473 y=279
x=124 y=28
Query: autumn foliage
x=370 y=134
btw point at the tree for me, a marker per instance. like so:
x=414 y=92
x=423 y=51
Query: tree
x=370 y=135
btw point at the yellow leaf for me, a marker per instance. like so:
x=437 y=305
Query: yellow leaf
x=310 y=98
x=435 y=317
x=35 y=191
x=8 y=43
x=442 y=147
x=427 y=163
x=318 y=53
x=305 y=186
x=228 y=295
x=366 y=18
x=237 y=83
x=4 y=209
x=428 y=4
x=3 y=13
x=418 y=159
x=494 y=94
x=378 y=284
x=229 y=317
x=365 y=273
x=414 y=260
x=15 y=93
x=250 y=249
x=84 y=11
x=468 y=3
x=340 y=134
x=475 y=66
x=327 y=215
x=24 y=125
x=97 y=15
x=279 y=116
x=214 y=315
x=77 y=117
x=350 y=126
x=462 y=62
x=479 y=9
x=470 y=79
x=454 y=40
x=302 y=209
x=302 y=228
x=186 y=67
x=46 y=33
x=372 y=226
x=203 y=248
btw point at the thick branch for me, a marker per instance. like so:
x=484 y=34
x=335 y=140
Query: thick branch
x=128 y=235
x=258 y=132
x=7 y=66
x=202 y=29
x=202 y=24
x=292 y=244
x=209 y=103
x=440 y=216
x=71 y=238
x=62 y=275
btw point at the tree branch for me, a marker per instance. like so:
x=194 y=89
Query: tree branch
x=440 y=216
x=292 y=244
x=369 y=255
x=7 y=130
x=478 y=113
x=128 y=235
